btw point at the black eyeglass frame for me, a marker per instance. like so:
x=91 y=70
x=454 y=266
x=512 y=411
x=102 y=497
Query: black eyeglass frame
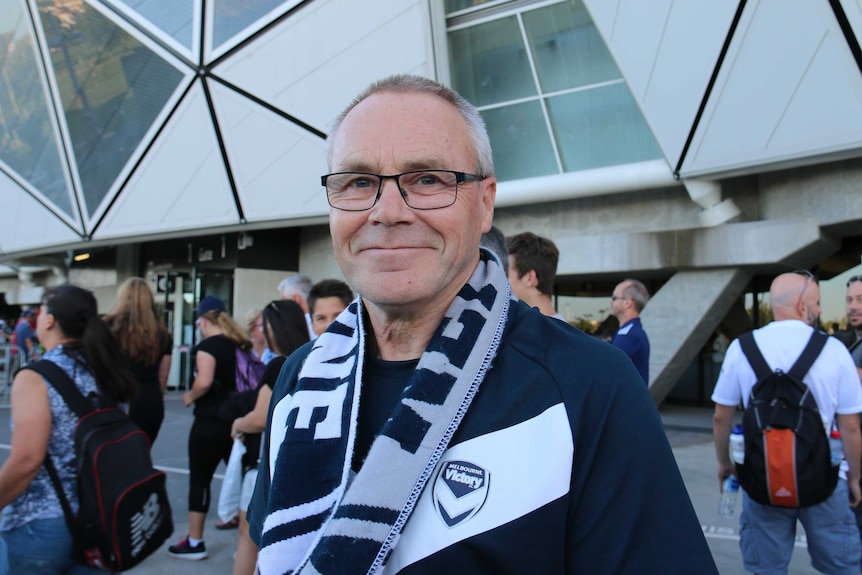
x=460 y=178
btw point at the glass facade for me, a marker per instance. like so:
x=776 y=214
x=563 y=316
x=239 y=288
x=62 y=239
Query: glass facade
x=233 y=16
x=112 y=88
x=29 y=144
x=548 y=89
x=174 y=17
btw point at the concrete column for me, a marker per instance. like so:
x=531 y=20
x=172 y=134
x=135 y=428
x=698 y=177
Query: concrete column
x=682 y=315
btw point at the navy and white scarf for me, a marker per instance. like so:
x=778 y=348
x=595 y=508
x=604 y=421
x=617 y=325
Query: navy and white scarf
x=320 y=519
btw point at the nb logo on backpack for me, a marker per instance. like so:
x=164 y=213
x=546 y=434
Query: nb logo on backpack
x=145 y=522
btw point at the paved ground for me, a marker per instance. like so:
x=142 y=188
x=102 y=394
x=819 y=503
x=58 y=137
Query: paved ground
x=689 y=431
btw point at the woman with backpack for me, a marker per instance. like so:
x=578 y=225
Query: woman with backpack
x=78 y=341
x=147 y=345
x=286 y=330
x=209 y=436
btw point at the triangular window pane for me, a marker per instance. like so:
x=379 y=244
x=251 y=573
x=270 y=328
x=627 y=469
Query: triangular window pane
x=28 y=141
x=174 y=17
x=112 y=87
x=233 y=16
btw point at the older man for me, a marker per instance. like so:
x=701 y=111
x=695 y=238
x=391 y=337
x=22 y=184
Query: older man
x=439 y=425
x=297 y=288
x=767 y=533
x=627 y=303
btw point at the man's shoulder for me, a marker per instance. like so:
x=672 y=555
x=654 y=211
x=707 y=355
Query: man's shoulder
x=555 y=345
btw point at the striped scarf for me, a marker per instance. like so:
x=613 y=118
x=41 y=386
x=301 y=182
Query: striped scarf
x=321 y=519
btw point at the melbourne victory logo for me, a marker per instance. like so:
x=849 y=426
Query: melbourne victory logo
x=460 y=491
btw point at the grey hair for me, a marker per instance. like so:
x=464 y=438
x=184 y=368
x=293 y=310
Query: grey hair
x=300 y=284
x=638 y=292
x=409 y=84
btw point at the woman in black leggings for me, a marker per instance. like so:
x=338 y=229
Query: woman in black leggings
x=209 y=437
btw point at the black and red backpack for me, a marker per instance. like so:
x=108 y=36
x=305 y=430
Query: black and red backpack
x=787 y=461
x=124 y=514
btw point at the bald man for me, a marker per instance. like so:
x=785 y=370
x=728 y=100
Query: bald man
x=767 y=533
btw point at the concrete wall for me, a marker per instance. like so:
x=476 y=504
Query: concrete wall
x=316 y=259
x=254 y=288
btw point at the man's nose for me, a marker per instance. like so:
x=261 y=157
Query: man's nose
x=390 y=196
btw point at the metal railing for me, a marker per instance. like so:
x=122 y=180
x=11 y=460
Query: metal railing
x=10 y=361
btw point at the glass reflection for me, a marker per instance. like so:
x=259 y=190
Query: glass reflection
x=112 y=88
x=567 y=48
x=174 y=17
x=520 y=140
x=600 y=127
x=489 y=62
x=233 y=16
x=28 y=141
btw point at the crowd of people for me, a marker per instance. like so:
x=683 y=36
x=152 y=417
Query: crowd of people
x=124 y=357
x=376 y=445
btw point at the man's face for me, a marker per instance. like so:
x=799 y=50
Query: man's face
x=618 y=299
x=326 y=309
x=393 y=255
x=853 y=304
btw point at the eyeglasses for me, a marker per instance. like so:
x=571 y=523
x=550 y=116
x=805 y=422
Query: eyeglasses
x=616 y=297
x=854 y=279
x=420 y=189
x=809 y=278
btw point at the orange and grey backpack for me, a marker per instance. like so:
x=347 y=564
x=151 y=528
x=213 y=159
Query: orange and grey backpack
x=787 y=462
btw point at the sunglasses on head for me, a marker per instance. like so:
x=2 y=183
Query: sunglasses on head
x=854 y=279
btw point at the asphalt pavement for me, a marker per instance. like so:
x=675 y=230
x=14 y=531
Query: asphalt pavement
x=689 y=431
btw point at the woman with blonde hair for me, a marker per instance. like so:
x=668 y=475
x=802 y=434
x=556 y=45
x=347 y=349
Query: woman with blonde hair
x=209 y=436
x=147 y=345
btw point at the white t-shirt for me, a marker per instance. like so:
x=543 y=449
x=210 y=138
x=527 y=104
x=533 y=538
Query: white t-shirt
x=832 y=379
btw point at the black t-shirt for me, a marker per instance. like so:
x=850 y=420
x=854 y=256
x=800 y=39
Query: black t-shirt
x=224 y=378
x=147 y=374
x=273 y=368
x=383 y=383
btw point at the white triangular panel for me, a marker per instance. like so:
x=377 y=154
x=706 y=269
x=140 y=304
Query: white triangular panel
x=26 y=223
x=789 y=89
x=276 y=164
x=666 y=51
x=325 y=57
x=181 y=182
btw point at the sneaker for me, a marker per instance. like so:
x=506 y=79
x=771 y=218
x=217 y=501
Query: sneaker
x=184 y=550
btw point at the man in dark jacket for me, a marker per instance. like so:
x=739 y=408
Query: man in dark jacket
x=440 y=425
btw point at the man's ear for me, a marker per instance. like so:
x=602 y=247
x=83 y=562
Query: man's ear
x=531 y=279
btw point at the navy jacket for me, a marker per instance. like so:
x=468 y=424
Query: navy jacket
x=561 y=465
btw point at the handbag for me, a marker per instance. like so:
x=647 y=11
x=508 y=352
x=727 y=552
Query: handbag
x=231 y=487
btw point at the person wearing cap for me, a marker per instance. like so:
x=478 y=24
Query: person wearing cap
x=25 y=337
x=209 y=436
